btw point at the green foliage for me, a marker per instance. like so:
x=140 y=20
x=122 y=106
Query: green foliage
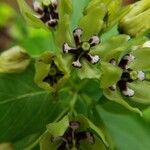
x=41 y=92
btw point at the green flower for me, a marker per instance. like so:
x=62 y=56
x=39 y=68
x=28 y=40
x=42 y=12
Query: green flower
x=82 y=48
x=124 y=69
x=132 y=82
x=50 y=72
x=14 y=60
x=137 y=21
x=73 y=133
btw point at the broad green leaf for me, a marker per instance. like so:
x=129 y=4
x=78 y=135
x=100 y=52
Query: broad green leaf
x=23 y=105
x=116 y=97
x=92 y=22
x=141 y=59
x=142 y=94
x=57 y=129
x=110 y=75
x=128 y=131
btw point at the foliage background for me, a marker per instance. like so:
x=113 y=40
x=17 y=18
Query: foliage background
x=25 y=109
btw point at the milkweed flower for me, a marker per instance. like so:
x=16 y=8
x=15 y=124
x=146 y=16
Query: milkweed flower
x=51 y=72
x=124 y=71
x=73 y=133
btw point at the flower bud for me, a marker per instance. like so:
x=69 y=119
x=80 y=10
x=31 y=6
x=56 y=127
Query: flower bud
x=137 y=21
x=14 y=60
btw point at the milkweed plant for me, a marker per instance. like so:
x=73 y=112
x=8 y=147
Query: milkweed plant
x=100 y=54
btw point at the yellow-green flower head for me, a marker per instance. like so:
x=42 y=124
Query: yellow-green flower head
x=50 y=72
x=14 y=60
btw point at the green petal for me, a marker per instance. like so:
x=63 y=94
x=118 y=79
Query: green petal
x=111 y=48
x=64 y=7
x=141 y=59
x=110 y=75
x=58 y=129
x=86 y=123
x=63 y=33
x=116 y=97
x=139 y=10
x=92 y=22
x=98 y=145
x=94 y=3
x=115 y=12
x=45 y=142
x=30 y=15
x=89 y=71
x=142 y=91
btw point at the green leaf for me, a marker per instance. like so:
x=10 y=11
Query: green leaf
x=116 y=97
x=78 y=8
x=142 y=94
x=141 y=59
x=23 y=105
x=128 y=131
x=110 y=75
x=92 y=22
x=30 y=15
